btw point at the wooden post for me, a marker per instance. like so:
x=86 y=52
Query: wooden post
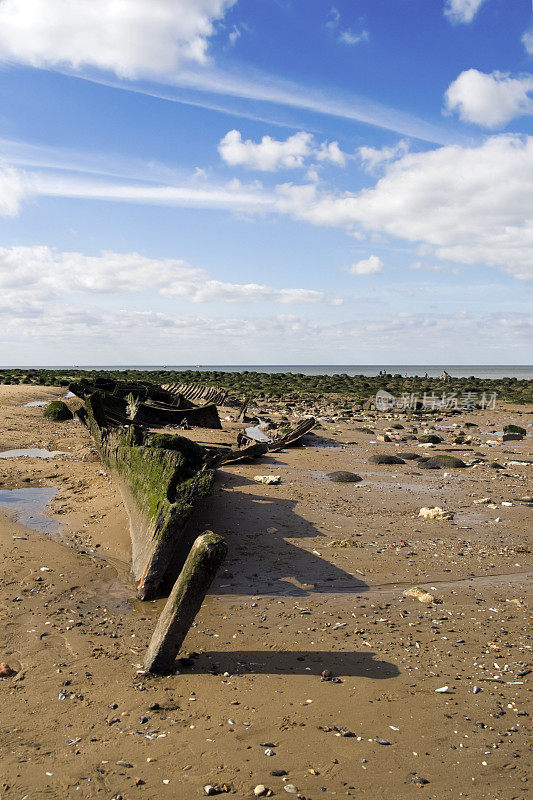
x=207 y=554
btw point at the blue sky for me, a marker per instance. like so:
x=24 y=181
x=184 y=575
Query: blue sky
x=284 y=181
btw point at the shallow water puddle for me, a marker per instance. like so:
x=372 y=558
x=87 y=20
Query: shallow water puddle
x=33 y=452
x=35 y=403
x=27 y=505
x=257 y=434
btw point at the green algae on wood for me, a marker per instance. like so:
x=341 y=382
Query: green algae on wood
x=160 y=486
x=207 y=554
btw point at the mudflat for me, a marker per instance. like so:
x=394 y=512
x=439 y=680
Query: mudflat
x=308 y=671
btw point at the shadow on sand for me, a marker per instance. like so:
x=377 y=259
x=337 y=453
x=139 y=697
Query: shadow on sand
x=294 y=662
x=260 y=559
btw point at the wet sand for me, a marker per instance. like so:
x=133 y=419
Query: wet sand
x=313 y=584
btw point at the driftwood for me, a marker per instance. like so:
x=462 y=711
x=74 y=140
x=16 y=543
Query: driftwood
x=206 y=555
x=249 y=451
x=291 y=437
x=240 y=416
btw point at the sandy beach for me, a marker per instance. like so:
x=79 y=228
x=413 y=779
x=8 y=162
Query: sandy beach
x=307 y=670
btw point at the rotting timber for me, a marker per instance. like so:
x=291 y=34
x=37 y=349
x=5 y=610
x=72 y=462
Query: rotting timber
x=161 y=476
x=145 y=404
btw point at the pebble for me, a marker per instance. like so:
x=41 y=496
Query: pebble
x=290 y=788
x=260 y=790
x=269 y=752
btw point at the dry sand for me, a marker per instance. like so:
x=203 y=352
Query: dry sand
x=313 y=583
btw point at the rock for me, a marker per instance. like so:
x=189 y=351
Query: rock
x=260 y=790
x=268 y=479
x=290 y=788
x=511 y=437
x=409 y=456
x=426 y=463
x=341 y=476
x=483 y=501
x=383 y=437
x=278 y=773
x=450 y=462
x=514 y=429
x=385 y=459
x=435 y=513
x=430 y=438
x=209 y=790
x=383 y=741
x=420 y=594
x=6 y=671
x=57 y=411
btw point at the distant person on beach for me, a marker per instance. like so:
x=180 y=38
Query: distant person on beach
x=426 y=375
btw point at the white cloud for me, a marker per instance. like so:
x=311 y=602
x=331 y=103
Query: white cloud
x=38 y=273
x=87 y=336
x=269 y=154
x=330 y=151
x=131 y=38
x=373 y=157
x=351 y=38
x=273 y=154
x=368 y=266
x=527 y=41
x=207 y=291
x=235 y=34
x=334 y=19
x=471 y=204
x=12 y=191
x=491 y=99
x=462 y=11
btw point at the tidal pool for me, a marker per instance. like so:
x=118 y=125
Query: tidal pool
x=26 y=506
x=32 y=452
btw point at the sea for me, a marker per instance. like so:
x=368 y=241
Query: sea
x=495 y=371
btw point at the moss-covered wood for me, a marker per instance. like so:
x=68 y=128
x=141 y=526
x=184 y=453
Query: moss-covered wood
x=206 y=555
x=160 y=479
